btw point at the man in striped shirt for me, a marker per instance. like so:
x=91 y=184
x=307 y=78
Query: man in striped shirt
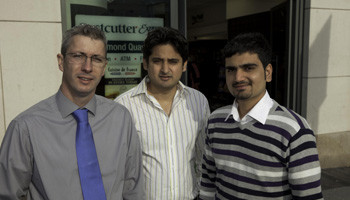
x=170 y=119
x=256 y=148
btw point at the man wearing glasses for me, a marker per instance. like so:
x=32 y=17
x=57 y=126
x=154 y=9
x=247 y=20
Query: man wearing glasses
x=75 y=144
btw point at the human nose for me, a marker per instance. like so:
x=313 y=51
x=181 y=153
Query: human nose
x=87 y=65
x=165 y=67
x=239 y=75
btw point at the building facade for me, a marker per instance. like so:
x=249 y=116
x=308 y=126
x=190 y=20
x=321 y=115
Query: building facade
x=30 y=37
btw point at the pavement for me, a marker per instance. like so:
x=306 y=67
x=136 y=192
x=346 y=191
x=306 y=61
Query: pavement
x=335 y=183
x=342 y=193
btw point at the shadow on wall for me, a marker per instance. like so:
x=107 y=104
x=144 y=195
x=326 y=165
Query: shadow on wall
x=2 y=107
x=333 y=148
x=317 y=84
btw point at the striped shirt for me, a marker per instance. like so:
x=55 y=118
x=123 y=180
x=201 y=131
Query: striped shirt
x=277 y=159
x=172 y=145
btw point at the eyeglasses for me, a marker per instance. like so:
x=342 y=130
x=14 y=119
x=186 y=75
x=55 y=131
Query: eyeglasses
x=80 y=58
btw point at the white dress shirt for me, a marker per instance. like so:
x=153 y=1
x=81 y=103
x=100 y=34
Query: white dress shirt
x=259 y=112
x=171 y=145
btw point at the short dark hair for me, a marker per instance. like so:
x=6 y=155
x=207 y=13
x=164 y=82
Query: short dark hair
x=85 y=30
x=162 y=36
x=250 y=42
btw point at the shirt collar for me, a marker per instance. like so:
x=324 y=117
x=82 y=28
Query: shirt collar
x=66 y=106
x=259 y=112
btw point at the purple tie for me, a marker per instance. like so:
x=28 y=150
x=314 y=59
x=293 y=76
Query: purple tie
x=89 y=169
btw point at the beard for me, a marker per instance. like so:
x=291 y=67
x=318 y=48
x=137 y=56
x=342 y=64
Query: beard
x=241 y=94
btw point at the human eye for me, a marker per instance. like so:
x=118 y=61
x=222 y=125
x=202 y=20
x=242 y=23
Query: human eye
x=156 y=60
x=249 y=67
x=173 y=61
x=98 y=59
x=230 y=69
x=77 y=55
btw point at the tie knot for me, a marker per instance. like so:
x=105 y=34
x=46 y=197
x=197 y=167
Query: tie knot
x=81 y=115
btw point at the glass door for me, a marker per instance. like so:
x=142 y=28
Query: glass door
x=126 y=24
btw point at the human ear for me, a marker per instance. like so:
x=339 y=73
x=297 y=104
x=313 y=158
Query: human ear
x=184 y=67
x=60 y=61
x=268 y=73
x=144 y=63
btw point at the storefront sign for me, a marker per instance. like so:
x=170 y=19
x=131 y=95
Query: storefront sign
x=125 y=36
